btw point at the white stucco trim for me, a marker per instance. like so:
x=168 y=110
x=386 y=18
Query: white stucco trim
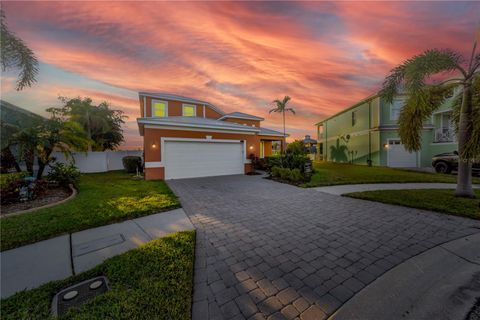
x=162 y=101
x=166 y=139
x=189 y=105
x=145 y=106
x=153 y=164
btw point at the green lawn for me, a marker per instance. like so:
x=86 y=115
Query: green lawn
x=151 y=282
x=429 y=199
x=329 y=173
x=103 y=198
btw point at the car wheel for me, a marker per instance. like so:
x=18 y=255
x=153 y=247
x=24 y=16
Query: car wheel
x=442 y=167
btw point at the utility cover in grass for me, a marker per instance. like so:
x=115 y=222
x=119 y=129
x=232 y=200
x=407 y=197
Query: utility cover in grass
x=76 y=295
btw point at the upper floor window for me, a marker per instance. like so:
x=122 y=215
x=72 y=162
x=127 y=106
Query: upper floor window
x=159 y=108
x=189 y=110
x=354 y=118
x=396 y=108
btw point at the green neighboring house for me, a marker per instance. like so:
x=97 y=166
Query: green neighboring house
x=368 y=132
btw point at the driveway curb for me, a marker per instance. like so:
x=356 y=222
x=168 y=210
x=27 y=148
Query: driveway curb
x=348 y=188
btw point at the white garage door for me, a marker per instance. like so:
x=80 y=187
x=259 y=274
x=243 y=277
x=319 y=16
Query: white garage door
x=186 y=159
x=398 y=157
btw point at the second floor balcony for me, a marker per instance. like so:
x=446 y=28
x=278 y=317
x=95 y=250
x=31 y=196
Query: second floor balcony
x=444 y=135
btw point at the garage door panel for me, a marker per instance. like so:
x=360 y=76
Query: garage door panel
x=202 y=159
x=399 y=157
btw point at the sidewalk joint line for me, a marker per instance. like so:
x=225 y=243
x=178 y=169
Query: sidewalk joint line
x=72 y=266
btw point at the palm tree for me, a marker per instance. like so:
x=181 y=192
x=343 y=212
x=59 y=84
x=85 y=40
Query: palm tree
x=424 y=99
x=281 y=106
x=14 y=54
x=60 y=135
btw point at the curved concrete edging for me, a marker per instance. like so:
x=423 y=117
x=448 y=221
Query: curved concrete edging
x=440 y=283
x=348 y=188
x=70 y=197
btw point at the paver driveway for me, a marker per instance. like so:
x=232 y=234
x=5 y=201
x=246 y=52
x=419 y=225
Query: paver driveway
x=270 y=250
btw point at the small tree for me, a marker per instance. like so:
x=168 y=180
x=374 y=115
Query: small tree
x=102 y=124
x=42 y=140
x=63 y=136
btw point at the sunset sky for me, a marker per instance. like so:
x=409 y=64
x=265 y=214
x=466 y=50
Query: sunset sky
x=237 y=55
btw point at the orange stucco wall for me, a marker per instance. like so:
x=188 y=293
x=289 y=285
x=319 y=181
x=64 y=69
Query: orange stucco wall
x=175 y=109
x=267 y=148
x=153 y=153
x=244 y=121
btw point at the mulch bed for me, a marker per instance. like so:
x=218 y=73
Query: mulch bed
x=51 y=196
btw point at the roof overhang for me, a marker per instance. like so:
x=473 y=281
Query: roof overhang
x=253 y=118
x=170 y=125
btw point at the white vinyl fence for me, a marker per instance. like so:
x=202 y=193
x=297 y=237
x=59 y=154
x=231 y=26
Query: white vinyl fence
x=100 y=161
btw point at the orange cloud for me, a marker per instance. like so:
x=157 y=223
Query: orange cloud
x=237 y=55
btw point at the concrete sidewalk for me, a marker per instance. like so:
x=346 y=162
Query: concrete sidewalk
x=348 y=188
x=441 y=283
x=32 y=265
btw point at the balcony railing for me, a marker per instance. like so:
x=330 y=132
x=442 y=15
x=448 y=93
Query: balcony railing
x=444 y=135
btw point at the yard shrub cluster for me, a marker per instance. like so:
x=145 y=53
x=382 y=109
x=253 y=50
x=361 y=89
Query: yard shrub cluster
x=64 y=174
x=289 y=167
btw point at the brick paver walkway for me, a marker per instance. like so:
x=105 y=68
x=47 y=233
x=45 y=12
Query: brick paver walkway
x=270 y=250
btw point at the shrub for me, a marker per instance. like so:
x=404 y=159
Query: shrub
x=273 y=161
x=10 y=192
x=64 y=174
x=295 y=161
x=7 y=178
x=296 y=147
x=132 y=163
x=293 y=175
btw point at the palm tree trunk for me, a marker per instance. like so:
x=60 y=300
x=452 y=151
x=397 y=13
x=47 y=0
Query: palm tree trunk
x=464 y=178
x=283 y=142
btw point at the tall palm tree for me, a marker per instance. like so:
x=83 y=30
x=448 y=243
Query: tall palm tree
x=15 y=54
x=423 y=99
x=281 y=106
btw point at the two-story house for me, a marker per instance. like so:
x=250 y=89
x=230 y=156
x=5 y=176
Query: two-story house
x=367 y=132
x=186 y=138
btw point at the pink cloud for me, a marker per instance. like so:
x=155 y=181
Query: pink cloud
x=240 y=55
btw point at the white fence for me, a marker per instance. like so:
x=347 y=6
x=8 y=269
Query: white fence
x=100 y=161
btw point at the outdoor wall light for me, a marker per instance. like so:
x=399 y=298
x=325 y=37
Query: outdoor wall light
x=251 y=147
x=154 y=145
x=385 y=145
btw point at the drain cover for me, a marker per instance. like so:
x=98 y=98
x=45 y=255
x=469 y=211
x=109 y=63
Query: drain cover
x=74 y=296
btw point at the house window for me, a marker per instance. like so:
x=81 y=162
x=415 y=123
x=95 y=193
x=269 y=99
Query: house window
x=395 y=109
x=189 y=110
x=354 y=118
x=159 y=108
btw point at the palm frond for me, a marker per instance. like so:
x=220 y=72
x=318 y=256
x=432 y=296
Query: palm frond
x=417 y=110
x=413 y=72
x=15 y=54
x=274 y=110
x=290 y=110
